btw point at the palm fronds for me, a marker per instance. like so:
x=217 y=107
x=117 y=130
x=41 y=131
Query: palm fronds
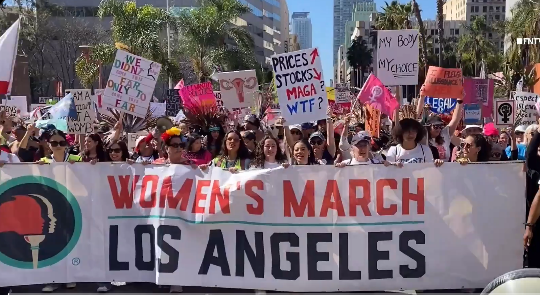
x=202 y=117
x=132 y=124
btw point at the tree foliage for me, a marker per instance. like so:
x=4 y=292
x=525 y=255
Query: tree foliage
x=359 y=57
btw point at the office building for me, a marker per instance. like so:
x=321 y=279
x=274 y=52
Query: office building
x=293 y=44
x=301 y=26
x=343 y=12
x=509 y=6
x=467 y=10
x=452 y=28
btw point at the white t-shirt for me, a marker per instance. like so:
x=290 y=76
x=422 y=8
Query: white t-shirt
x=444 y=149
x=420 y=154
x=268 y=165
x=376 y=159
x=9 y=158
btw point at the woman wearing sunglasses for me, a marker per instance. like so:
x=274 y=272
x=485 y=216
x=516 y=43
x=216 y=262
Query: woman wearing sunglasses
x=234 y=154
x=58 y=145
x=118 y=152
x=174 y=148
x=475 y=148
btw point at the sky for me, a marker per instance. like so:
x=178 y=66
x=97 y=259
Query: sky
x=322 y=18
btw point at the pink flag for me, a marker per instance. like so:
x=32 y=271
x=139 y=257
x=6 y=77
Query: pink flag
x=8 y=53
x=375 y=94
x=180 y=85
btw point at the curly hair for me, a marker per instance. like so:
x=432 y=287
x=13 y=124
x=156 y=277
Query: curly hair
x=311 y=158
x=260 y=157
x=243 y=152
x=405 y=125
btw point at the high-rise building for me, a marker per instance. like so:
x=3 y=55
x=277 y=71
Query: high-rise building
x=467 y=10
x=343 y=12
x=301 y=26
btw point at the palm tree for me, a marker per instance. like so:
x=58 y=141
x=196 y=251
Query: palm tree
x=525 y=22
x=423 y=38
x=360 y=58
x=135 y=29
x=440 y=25
x=473 y=46
x=206 y=34
x=395 y=16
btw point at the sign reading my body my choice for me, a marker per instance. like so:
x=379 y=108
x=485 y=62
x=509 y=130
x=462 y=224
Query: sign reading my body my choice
x=300 y=86
x=131 y=84
x=397 y=57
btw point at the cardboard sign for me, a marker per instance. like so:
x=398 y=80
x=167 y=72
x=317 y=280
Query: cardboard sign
x=86 y=114
x=50 y=100
x=131 y=84
x=159 y=109
x=472 y=114
x=11 y=111
x=132 y=139
x=526 y=113
x=479 y=91
x=397 y=57
x=443 y=83
x=172 y=102
x=505 y=112
x=300 y=86
x=342 y=93
x=373 y=121
x=237 y=88
x=441 y=105
x=20 y=102
x=219 y=100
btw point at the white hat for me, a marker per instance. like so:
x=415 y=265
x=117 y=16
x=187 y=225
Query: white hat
x=360 y=136
x=521 y=128
x=297 y=127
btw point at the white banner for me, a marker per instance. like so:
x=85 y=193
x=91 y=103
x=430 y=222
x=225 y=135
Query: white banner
x=300 y=229
x=397 y=57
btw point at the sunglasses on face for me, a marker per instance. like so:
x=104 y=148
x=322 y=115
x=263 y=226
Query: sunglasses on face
x=465 y=145
x=438 y=127
x=116 y=151
x=177 y=145
x=58 y=143
x=316 y=142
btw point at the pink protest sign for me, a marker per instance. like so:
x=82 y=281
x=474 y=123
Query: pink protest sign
x=479 y=91
x=375 y=94
x=199 y=94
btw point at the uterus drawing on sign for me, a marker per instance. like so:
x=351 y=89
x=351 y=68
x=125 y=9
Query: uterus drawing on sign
x=239 y=84
x=376 y=93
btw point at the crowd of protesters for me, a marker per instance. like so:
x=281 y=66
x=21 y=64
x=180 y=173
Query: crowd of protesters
x=250 y=144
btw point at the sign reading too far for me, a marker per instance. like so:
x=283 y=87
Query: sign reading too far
x=86 y=114
x=300 y=86
x=397 y=57
x=131 y=84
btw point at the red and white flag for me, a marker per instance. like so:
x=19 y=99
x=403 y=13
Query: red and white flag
x=8 y=52
x=374 y=93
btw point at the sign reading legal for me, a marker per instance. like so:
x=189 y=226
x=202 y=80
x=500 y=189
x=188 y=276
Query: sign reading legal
x=397 y=57
x=131 y=84
x=300 y=86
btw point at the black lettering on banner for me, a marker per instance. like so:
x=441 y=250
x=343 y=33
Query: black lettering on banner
x=114 y=264
x=294 y=77
x=292 y=257
x=255 y=258
x=140 y=264
x=215 y=242
x=314 y=256
x=283 y=63
x=175 y=233
x=375 y=255
x=344 y=273
x=420 y=238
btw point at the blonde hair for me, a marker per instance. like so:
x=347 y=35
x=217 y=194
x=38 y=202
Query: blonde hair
x=530 y=130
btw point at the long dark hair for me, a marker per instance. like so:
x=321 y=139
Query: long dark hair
x=191 y=139
x=218 y=141
x=123 y=146
x=485 y=147
x=439 y=139
x=100 y=150
x=260 y=158
x=243 y=152
x=311 y=157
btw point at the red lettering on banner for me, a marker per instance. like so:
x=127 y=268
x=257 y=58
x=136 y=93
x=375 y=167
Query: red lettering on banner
x=200 y=196
x=182 y=196
x=362 y=202
x=419 y=197
x=123 y=198
x=332 y=190
x=290 y=200
x=249 y=186
x=381 y=184
x=223 y=199
x=153 y=179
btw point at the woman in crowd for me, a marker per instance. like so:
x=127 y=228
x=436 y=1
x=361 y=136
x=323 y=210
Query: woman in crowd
x=174 y=148
x=475 y=148
x=521 y=143
x=195 y=150
x=269 y=155
x=324 y=148
x=144 y=151
x=504 y=139
x=58 y=145
x=409 y=133
x=93 y=149
x=234 y=155
x=250 y=140
x=215 y=140
x=361 y=152
x=118 y=152
x=303 y=153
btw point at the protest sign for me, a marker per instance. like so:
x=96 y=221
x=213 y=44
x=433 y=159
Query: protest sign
x=525 y=108
x=50 y=100
x=237 y=88
x=86 y=114
x=300 y=229
x=20 y=102
x=505 y=113
x=158 y=109
x=131 y=84
x=343 y=95
x=132 y=139
x=472 y=114
x=443 y=83
x=375 y=94
x=373 y=121
x=98 y=98
x=219 y=100
x=397 y=57
x=198 y=94
x=300 y=86
x=441 y=105
x=11 y=111
x=480 y=91
x=172 y=102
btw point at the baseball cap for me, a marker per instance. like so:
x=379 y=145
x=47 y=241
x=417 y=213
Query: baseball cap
x=317 y=134
x=490 y=130
x=521 y=128
x=360 y=136
x=434 y=120
x=297 y=127
x=306 y=126
x=252 y=119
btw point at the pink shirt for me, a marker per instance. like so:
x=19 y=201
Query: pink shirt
x=199 y=158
